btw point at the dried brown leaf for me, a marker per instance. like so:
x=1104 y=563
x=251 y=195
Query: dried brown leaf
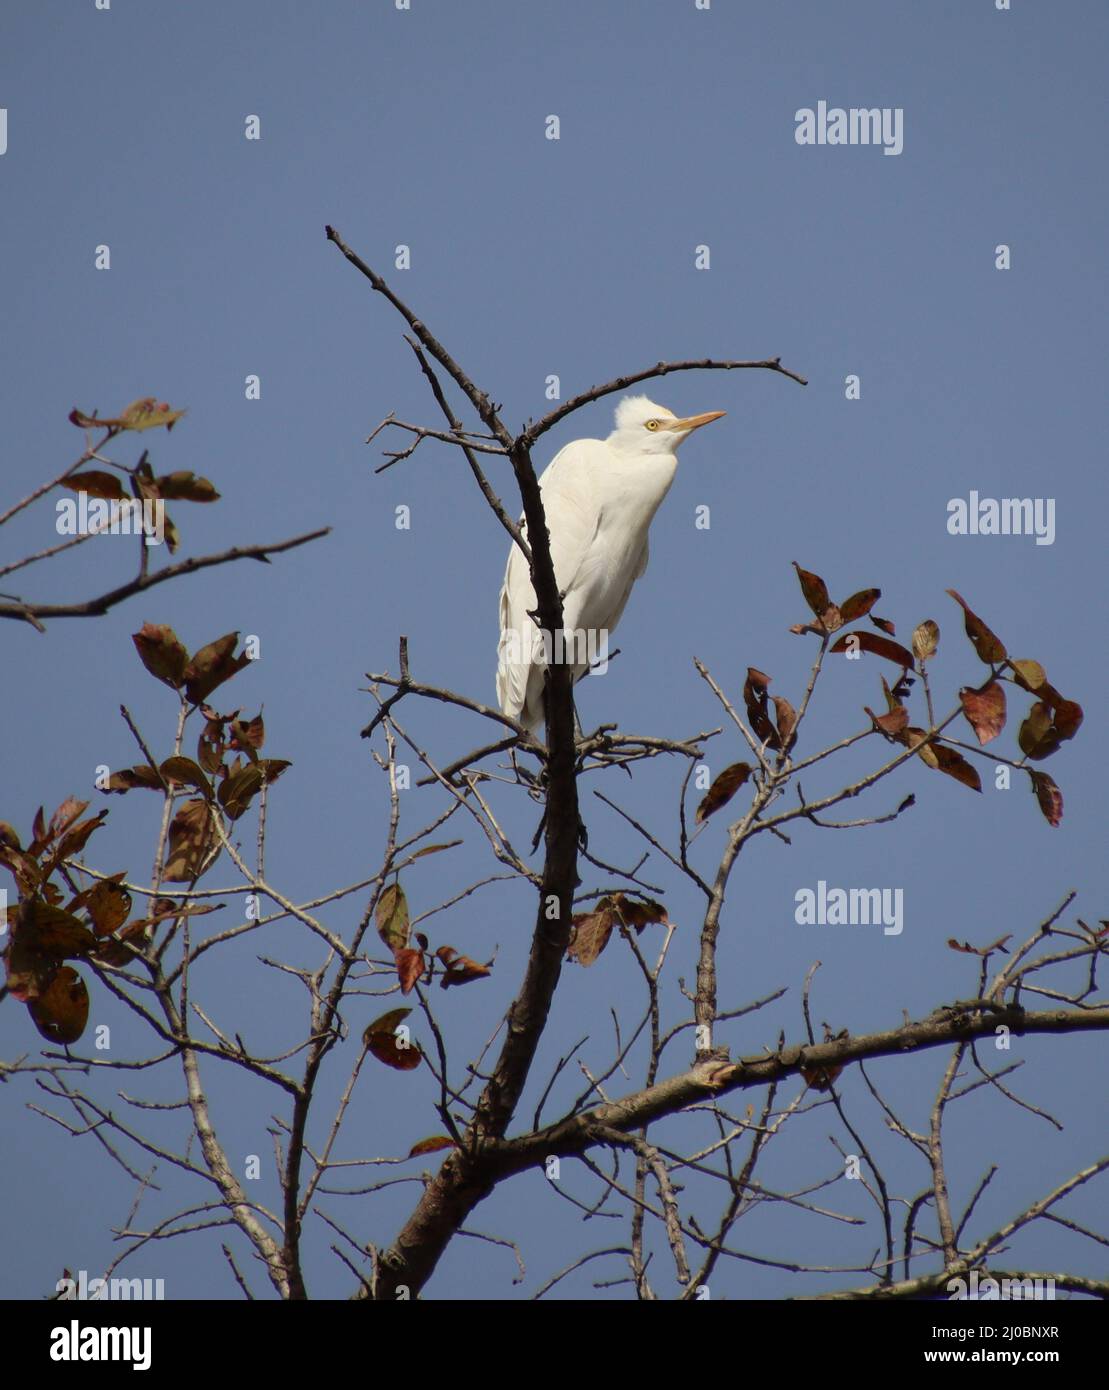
x=211 y=666
x=864 y=640
x=96 y=482
x=723 y=788
x=859 y=605
x=987 y=644
x=926 y=638
x=432 y=1145
x=162 y=653
x=60 y=1010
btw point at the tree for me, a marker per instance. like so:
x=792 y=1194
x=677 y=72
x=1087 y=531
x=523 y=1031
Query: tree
x=666 y=1148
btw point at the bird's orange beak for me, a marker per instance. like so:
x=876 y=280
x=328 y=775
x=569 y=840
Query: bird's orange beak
x=694 y=422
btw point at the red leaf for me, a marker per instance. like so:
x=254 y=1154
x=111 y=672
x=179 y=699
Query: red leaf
x=637 y=914
x=1048 y=795
x=863 y=640
x=892 y=723
x=984 y=709
x=951 y=761
x=590 y=932
x=814 y=590
x=381 y=1040
x=96 y=482
x=1037 y=736
x=820 y=1078
x=989 y=647
x=785 y=716
x=410 y=966
x=1068 y=717
x=758 y=707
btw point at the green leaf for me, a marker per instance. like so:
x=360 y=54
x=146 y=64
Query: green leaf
x=392 y=917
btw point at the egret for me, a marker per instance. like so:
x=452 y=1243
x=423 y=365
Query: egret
x=600 y=497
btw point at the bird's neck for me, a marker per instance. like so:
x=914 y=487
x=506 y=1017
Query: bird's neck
x=636 y=486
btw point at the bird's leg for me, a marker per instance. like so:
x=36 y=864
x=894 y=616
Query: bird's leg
x=579 y=732
x=525 y=778
x=583 y=832
x=539 y=831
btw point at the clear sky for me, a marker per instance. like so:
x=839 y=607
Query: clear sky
x=529 y=258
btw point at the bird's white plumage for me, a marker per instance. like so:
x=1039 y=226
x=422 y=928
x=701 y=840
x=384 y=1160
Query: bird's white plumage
x=634 y=411
x=599 y=497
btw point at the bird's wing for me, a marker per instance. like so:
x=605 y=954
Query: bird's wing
x=516 y=643
x=636 y=574
x=641 y=569
x=573 y=516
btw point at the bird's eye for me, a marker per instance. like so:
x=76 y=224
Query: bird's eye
x=652 y=424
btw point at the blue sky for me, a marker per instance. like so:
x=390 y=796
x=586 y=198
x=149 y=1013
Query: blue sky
x=533 y=257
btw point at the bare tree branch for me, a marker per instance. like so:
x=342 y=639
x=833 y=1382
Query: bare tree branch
x=97 y=607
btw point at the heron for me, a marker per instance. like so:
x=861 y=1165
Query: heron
x=600 y=497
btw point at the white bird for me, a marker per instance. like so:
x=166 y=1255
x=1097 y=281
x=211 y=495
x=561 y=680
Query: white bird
x=600 y=497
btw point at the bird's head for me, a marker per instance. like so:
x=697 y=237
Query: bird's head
x=642 y=427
